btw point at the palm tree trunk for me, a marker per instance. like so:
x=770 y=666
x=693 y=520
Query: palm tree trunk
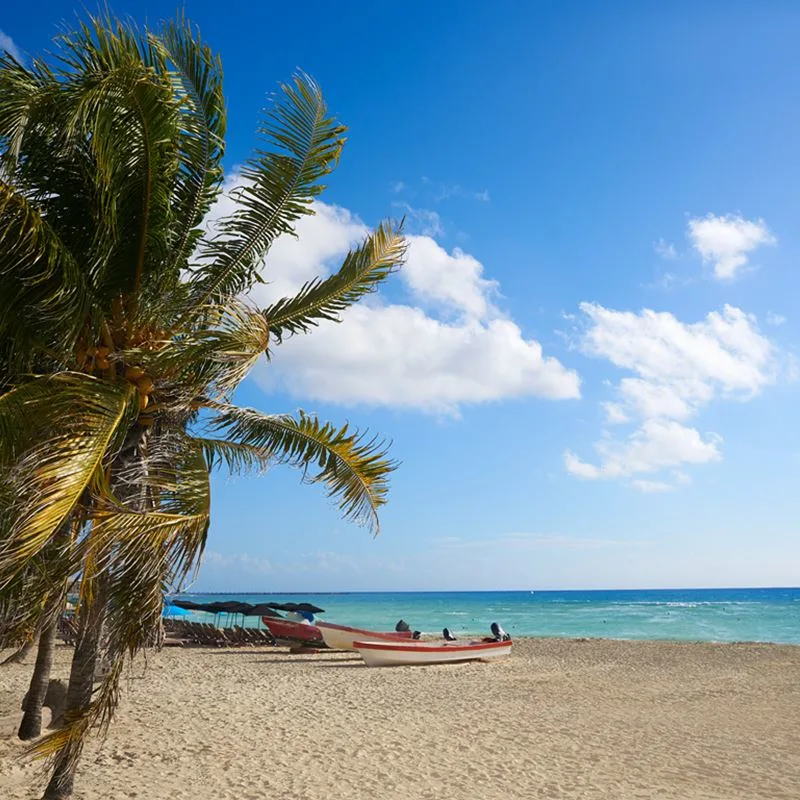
x=79 y=694
x=31 y=725
x=88 y=647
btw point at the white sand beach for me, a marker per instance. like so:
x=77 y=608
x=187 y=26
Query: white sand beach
x=559 y=719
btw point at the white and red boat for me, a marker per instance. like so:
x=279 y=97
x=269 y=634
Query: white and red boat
x=342 y=637
x=391 y=654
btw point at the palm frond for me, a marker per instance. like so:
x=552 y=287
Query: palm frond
x=138 y=550
x=38 y=272
x=210 y=360
x=236 y=457
x=55 y=434
x=278 y=188
x=27 y=96
x=354 y=467
x=197 y=86
x=161 y=493
x=361 y=272
x=101 y=142
x=130 y=118
x=30 y=601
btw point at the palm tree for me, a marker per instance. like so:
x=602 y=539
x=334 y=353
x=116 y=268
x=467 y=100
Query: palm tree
x=125 y=328
x=30 y=608
x=31 y=725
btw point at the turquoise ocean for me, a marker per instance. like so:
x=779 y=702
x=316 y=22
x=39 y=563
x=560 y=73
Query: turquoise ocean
x=710 y=615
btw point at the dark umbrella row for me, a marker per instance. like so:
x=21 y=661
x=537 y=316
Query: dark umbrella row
x=247 y=609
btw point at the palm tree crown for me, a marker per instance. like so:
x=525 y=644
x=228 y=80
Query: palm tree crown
x=125 y=326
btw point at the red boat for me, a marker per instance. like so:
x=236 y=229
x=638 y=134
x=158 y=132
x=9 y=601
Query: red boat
x=292 y=631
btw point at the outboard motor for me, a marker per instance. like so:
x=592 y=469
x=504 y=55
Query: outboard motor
x=499 y=634
x=402 y=626
x=448 y=637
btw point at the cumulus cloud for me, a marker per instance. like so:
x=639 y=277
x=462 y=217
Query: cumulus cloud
x=775 y=319
x=678 y=368
x=727 y=240
x=452 y=280
x=725 y=350
x=656 y=445
x=446 y=346
x=7 y=44
x=397 y=355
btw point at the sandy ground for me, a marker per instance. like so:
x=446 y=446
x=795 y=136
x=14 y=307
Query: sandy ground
x=558 y=719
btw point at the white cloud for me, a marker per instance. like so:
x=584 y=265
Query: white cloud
x=444 y=191
x=656 y=445
x=651 y=487
x=421 y=220
x=7 y=44
x=678 y=400
x=446 y=347
x=681 y=478
x=725 y=350
x=240 y=562
x=665 y=249
x=678 y=368
x=727 y=240
x=398 y=187
x=615 y=413
x=397 y=355
x=453 y=280
x=775 y=319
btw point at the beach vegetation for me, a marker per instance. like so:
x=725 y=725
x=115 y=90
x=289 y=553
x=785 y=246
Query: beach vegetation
x=126 y=326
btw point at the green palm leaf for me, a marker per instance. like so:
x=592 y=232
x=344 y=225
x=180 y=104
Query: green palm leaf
x=362 y=270
x=211 y=360
x=38 y=272
x=141 y=549
x=55 y=434
x=197 y=85
x=130 y=118
x=236 y=457
x=109 y=160
x=28 y=97
x=354 y=467
x=279 y=186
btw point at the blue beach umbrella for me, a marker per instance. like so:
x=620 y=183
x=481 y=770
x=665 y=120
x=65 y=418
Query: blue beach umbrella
x=171 y=610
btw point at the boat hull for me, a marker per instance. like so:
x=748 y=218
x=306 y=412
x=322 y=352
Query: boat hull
x=343 y=637
x=392 y=654
x=292 y=631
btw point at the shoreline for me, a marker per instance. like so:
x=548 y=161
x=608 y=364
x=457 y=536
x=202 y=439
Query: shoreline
x=723 y=615
x=558 y=638
x=566 y=718
x=581 y=639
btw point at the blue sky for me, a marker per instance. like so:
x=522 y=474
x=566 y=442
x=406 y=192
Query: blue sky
x=588 y=366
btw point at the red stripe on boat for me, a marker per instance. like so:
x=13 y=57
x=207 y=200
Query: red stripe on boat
x=425 y=648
